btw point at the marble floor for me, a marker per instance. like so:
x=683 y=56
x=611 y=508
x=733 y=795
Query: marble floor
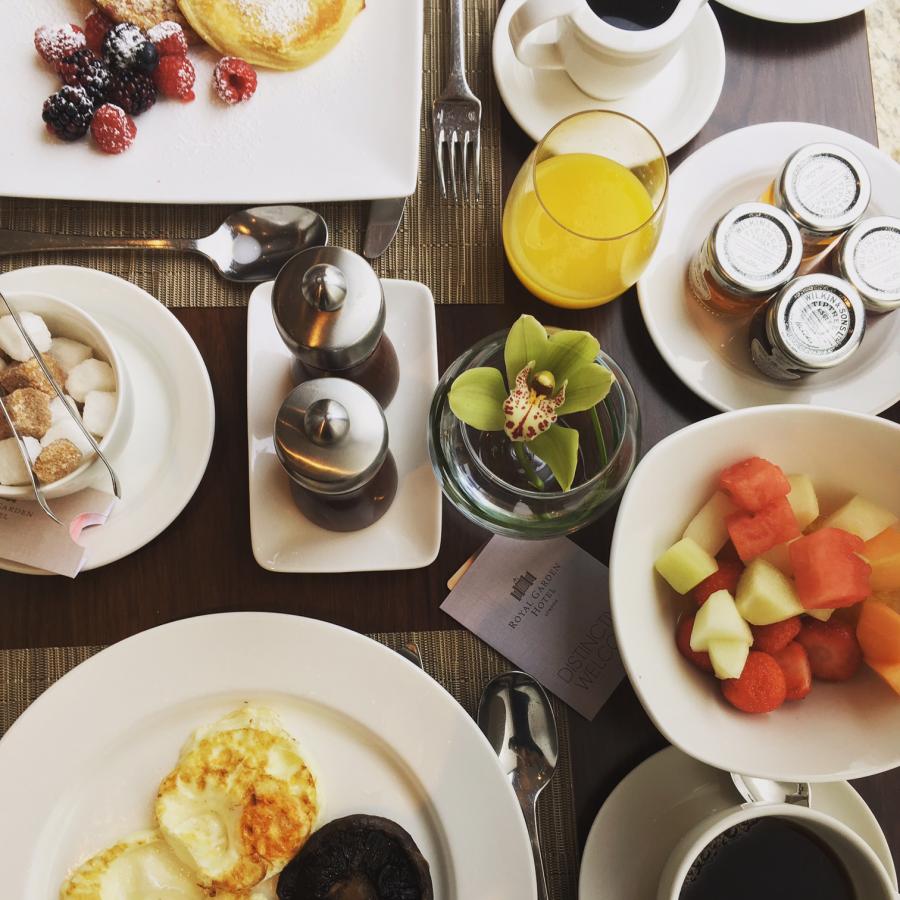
x=883 y=20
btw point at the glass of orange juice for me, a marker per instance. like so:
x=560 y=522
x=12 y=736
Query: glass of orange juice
x=585 y=212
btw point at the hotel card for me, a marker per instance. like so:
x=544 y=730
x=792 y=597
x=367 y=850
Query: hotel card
x=545 y=606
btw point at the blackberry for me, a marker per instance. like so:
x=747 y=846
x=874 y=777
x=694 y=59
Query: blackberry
x=123 y=46
x=83 y=69
x=134 y=91
x=68 y=112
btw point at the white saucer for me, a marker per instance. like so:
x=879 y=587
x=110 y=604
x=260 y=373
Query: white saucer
x=674 y=105
x=174 y=412
x=655 y=804
x=797 y=12
x=408 y=536
x=712 y=356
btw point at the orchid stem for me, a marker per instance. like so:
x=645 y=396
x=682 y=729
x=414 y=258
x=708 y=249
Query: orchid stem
x=598 y=434
x=530 y=473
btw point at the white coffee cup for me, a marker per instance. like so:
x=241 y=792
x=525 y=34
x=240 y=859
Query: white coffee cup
x=868 y=876
x=604 y=61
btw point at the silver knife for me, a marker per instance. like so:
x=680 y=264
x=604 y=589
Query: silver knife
x=384 y=220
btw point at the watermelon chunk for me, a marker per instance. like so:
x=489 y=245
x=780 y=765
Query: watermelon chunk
x=754 y=483
x=753 y=533
x=828 y=571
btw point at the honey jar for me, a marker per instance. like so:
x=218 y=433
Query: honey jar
x=752 y=251
x=328 y=305
x=868 y=256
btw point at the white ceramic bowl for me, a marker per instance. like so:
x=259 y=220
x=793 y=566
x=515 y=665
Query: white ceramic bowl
x=839 y=731
x=66 y=320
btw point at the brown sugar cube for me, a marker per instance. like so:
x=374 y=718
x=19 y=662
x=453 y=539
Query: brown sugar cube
x=56 y=461
x=30 y=411
x=30 y=375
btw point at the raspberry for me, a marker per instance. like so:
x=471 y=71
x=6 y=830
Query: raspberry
x=234 y=80
x=725 y=578
x=96 y=24
x=775 y=637
x=113 y=129
x=84 y=69
x=761 y=688
x=53 y=42
x=174 y=76
x=683 y=641
x=168 y=38
x=68 y=113
x=134 y=91
x=126 y=47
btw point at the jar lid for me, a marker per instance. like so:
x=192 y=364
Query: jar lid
x=817 y=321
x=328 y=305
x=869 y=258
x=331 y=436
x=824 y=188
x=756 y=248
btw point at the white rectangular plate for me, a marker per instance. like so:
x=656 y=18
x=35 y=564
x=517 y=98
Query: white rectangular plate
x=344 y=128
x=409 y=534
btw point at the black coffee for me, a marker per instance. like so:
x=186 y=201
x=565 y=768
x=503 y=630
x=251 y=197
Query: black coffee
x=633 y=15
x=767 y=859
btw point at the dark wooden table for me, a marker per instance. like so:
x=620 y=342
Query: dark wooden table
x=203 y=564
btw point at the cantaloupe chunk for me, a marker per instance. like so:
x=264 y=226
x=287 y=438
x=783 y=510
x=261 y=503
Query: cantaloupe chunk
x=707 y=528
x=765 y=595
x=823 y=615
x=728 y=658
x=882 y=552
x=862 y=518
x=803 y=500
x=719 y=620
x=878 y=632
x=890 y=672
x=685 y=564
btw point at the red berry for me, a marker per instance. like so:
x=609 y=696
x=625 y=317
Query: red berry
x=53 y=42
x=234 y=80
x=775 y=637
x=760 y=689
x=113 y=129
x=683 y=641
x=725 y=578
x=96 y=24
x=174 y=77
x=832 y=648
x=797 y=674
x=168 y=38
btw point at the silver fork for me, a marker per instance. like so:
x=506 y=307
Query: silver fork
x=456 y=117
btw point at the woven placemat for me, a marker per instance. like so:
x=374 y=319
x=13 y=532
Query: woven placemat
x=453 y=248
x=457 y=659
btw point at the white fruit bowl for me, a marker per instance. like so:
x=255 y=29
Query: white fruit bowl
x=838 y=731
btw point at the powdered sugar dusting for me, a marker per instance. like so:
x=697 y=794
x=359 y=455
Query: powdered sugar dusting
x=162 y=30
x=275 y=17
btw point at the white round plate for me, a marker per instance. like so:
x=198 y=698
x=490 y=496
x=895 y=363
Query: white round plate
x=81 y=766
x=711 y=355
x=796 y=12
x=174 y=412
x=656 y=803
x=674 y=105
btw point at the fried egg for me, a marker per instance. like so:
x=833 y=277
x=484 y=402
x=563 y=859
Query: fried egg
x=240 y=803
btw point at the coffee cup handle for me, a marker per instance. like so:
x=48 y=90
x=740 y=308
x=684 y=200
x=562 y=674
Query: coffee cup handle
x=529 y=17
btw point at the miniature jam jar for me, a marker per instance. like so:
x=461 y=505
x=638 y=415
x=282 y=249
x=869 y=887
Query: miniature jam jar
x=328 y=305
x=868 y=256
x=814 y=323
x=825 y=189
x=331 y=438
x=751 y=252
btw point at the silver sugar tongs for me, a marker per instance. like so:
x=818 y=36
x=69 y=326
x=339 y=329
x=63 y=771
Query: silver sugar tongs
x=38 y=492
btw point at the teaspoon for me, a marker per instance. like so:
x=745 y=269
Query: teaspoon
x=763 y=790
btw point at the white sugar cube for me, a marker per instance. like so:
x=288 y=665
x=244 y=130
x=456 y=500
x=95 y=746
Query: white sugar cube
x=90 y=375
x=99 y=409
x=13 y=344
x=66 y=429
x=69 y=353
x=12 y=466
x=58 y=411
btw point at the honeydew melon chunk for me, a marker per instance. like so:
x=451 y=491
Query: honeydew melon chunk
x=861 y=517
x=765 y=595
x=728 y=658
x=707 y=528
x=719 y=620
x=685 y=564
x=823 y=615
x=803 y=500
x=780 y=557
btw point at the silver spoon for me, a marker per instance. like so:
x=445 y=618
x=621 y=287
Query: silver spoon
x=249 y=246
x=516 y=717
x=762 y=790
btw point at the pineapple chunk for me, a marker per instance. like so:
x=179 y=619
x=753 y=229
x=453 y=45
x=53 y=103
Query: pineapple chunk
x=719 y=620
x=765 y=595
x=823 y=615
x=803 y=500
x=861 y=517
x=728 y=658
x=685 y=564
x=707 y=528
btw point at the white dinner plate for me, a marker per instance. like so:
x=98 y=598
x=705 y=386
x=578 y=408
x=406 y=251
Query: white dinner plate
x=166 y=454
x=674 y=105
x=408 y=536
x=653 y=807
x=81 y=766
x=344 y=128
x=711 y=355
x=797 y=12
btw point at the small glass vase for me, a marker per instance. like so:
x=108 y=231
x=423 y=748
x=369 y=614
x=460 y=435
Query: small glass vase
x=482 y=476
